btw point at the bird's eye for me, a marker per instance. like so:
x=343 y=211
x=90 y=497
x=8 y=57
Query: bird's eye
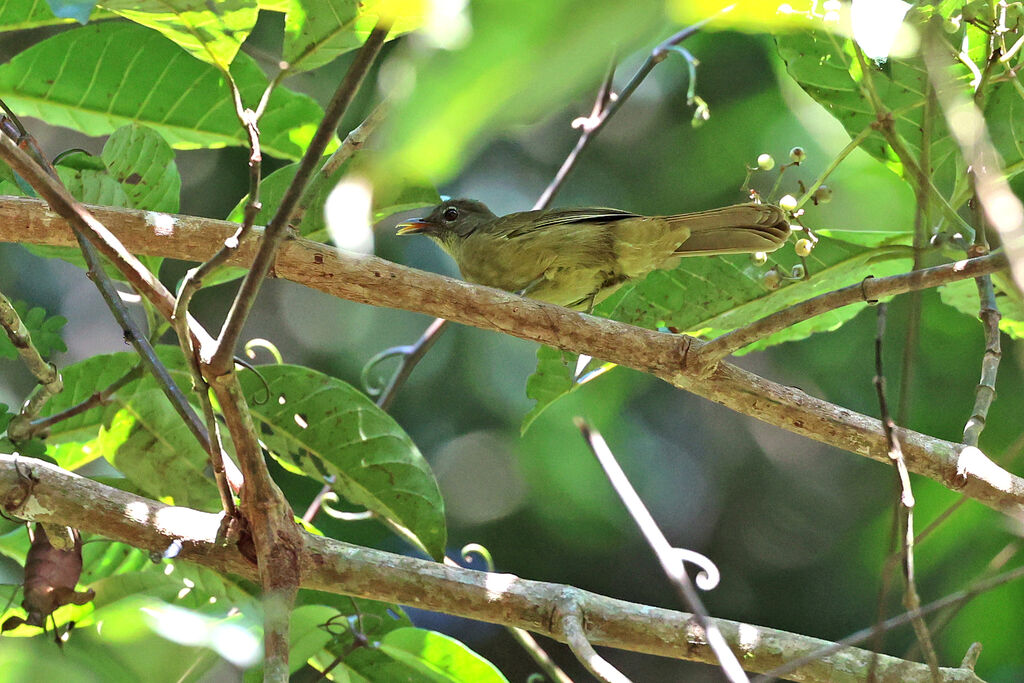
x=450 y=214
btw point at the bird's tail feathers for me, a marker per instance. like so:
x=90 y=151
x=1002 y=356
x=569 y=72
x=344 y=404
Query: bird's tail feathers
x=739 y=229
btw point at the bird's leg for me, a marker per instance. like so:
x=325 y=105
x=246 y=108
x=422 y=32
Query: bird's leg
x=525 y=291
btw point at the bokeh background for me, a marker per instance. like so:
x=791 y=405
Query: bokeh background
x=800 y=531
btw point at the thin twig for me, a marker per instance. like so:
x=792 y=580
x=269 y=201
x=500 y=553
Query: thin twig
x=49 y=380
x=986 y=391
x=86 y=228
x=922 y=227
x=904 y=505
x=98 y=398
x=352 y=143
x=958 y=598
x=612 y=104
x=869 y=290
x=669 y=557
x=276 y=229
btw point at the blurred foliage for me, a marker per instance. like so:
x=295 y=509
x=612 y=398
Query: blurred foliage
x=481 y=98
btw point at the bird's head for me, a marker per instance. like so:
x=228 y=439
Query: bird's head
x=449 y=221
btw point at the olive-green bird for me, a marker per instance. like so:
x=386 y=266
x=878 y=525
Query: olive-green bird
x=577 y=257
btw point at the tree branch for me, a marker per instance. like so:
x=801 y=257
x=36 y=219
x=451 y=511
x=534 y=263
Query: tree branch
x=328 y=565
x=370 y=280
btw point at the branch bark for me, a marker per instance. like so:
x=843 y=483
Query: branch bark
x=62 y=497
x=370 y=280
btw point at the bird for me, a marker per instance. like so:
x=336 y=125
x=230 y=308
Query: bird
x=578 y=257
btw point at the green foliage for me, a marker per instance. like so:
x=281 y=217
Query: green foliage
x=19 y=16
x=158 y=85
x=210 y=32
x=92 y=79
x=322 y=427
x=490 y=84
x=45 y=331
x=136 y=170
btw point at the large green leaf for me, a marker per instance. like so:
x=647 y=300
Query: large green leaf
x=136 y=170
x=138 y=431
x=149 y=443
x=98 y=78
x=711 y=296
x=209 y=31
x=322 y=427
x=438 y=657
x=826 y=67
x=522 y=59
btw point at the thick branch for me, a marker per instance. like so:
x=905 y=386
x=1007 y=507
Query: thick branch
x=370 y=280
x=328 y=565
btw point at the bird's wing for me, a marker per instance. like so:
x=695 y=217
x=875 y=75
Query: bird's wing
x=551 y=217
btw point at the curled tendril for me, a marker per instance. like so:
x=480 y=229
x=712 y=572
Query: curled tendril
x=69 y=152
x=708 y=577
x=536 y=678
x=332 y=497
x=266 y=385
x=471 y=549
x=259 y=343
x=371 y=385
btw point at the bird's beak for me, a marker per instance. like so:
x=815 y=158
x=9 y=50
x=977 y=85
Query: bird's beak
x=413 y=227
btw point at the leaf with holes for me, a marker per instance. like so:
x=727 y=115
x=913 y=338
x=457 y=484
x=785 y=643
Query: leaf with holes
x=322 y=427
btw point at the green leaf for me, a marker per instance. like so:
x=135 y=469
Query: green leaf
x=142 y=162
x=309 y=633
x=711 y=296
x=149 y=443
x=317 y=31
x=323 y=427
x=438 y=657
x=1004 y=113
x=44 y=330
x=136 y=170
x=963 y=296
x=492 y=82
x=138 y=431
x=93 y=79
x=182 y=584
x=826 y=67
x=370 y=619
x=210 y=31
x=19 y=15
